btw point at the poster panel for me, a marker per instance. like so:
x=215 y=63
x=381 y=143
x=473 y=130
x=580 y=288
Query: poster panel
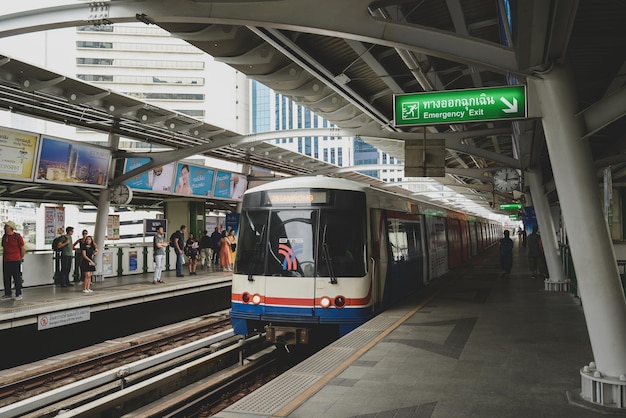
x=113 y=227
x=54 y=224
x=62 y=161
x=159 y=179
x=18 y=151
x=194 y=180
x=230 y=185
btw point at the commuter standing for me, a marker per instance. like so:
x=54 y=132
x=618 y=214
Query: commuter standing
x=205 y=250
x=191 y=251
x=67 y=255
x=225 y=252
x=79 y=254
x=88 y=250
x=535 y=253
x=13 y=251
x=233 y=247
x=216 y=238
x=159 y=245
x=506 y=254
x=178 y=239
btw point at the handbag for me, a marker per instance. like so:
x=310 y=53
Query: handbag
x=233 y=246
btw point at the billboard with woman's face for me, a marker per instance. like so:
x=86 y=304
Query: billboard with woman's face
x=194 y=180
x=62 y=161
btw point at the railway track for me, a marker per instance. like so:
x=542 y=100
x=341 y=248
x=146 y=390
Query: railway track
x=137 y=372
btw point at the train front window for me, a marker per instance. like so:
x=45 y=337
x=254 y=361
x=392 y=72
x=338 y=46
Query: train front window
x=251 y=242
x=291 y=243
x=342 y=249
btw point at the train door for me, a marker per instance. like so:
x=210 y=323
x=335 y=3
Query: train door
x=437 y=246
x=291 y=245
x=455 y=243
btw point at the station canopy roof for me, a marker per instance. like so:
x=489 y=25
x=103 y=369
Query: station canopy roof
x=345 y=61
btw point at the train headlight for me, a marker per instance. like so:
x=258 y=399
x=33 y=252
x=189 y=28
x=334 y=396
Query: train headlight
x=245 y=297
x=340 y=301
x=256 y=299
x=325 y=302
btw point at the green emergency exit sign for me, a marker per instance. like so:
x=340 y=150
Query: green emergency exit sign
x=510 y=206
x=459 y=106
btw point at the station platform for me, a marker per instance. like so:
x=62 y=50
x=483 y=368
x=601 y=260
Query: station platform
x=43 y=304
x=477 y=345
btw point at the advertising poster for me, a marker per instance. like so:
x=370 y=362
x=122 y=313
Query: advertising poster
x=107 y=263
x=66 y=162
x=54 y=223
x=17 y=154
x=232 y=222
x=132 y=261
x=194 y=180
x=113 y=227
x=158 y=179
x=230 y=185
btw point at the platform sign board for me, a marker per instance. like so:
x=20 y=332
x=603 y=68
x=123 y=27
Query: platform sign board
x=460 y=106
x=17 y=154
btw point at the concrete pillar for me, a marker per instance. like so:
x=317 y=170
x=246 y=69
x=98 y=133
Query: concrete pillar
x=100 y=228
x=591 y=246
x=546 y=227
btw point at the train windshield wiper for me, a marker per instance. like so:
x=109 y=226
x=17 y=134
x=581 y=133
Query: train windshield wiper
x=329 y=261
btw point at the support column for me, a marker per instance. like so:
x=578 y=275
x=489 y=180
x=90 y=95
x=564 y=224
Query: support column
x=557 y=280
x=100 y=229
x=590 y=241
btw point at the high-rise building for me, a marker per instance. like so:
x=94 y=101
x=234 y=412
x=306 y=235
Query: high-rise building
x=271 y=111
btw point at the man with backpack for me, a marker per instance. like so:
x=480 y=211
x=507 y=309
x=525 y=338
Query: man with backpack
x=13 y=251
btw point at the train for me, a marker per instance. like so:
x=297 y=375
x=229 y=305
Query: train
x=319 y=256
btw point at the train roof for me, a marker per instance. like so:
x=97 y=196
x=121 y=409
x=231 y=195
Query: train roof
x=316 y=182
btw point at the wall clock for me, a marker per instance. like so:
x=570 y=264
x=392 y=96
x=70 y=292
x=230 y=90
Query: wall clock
x=506 y=180
x=121 y=194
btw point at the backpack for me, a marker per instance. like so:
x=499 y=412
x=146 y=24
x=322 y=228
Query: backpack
x=172 y=239
x=55 y=243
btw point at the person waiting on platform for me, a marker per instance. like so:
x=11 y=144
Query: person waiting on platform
x=67 y=254
x=88 y=265
x=205 y=250
x=178 y=242
x=79 y=254
x=192 y=252
x=216 y=239
x=13 y=250
x=521 y=238
x=225 y=252
x=159 y=244
x=535 y=253
x=506 y=254
x=233 y=247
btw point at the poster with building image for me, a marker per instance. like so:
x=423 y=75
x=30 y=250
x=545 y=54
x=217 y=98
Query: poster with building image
x=61 y=161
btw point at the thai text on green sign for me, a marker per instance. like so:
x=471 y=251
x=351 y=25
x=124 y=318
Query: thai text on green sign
x=457 y=106
x=510 y=206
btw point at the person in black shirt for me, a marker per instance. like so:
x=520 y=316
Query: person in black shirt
x=506 y=254
x=216 y=238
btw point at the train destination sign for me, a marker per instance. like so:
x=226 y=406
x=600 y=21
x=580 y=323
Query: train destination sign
x=459 y=106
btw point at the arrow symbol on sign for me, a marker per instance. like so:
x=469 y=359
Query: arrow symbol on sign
x=512 y=107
